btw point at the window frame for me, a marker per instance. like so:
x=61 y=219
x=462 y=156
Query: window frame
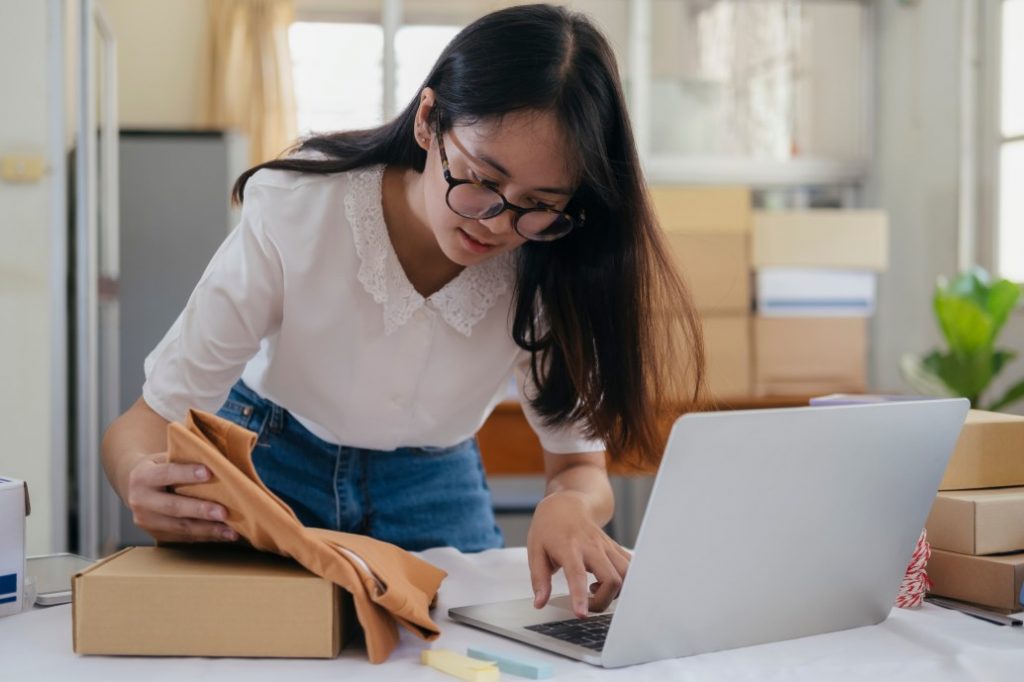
x=798 y=173
x=992 y=136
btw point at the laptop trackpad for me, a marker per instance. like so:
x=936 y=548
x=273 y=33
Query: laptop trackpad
x=564 y=601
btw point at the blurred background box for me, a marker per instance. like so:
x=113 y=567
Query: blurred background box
x=716 y=267
x=992 y=581
x=207 y=600
x=729 y=362
x=798 y=292
x=809 y=355
x=978 y=521
x=702 y=209
x=14 y=507
x=821 y=238
x=989 y=453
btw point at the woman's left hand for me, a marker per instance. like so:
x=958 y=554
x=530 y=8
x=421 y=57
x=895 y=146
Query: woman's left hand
x=563 y=535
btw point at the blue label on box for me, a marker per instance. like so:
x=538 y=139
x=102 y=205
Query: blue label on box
x=8 y=588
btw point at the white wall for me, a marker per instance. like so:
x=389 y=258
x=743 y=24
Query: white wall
x=163 y=61
x=915 y=178
x=25 y=449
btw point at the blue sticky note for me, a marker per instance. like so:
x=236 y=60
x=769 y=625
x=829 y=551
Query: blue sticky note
x=513 y=665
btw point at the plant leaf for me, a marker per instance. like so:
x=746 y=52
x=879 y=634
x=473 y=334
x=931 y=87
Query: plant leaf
x=972 y=284
x=999 y=360
x=1012 y=395
x=968 y=375
x=921 y=378
x=1002 y=298
x=966 y=325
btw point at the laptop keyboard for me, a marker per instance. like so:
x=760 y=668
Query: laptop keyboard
x=587 y=632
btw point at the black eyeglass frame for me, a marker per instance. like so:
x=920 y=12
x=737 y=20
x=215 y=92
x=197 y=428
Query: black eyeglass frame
x=506 y=205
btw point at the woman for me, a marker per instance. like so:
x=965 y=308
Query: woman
x=383 y=286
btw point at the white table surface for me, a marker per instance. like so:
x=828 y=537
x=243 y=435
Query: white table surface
x=929 y=643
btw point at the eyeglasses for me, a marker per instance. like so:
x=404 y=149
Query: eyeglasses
x=479 y=201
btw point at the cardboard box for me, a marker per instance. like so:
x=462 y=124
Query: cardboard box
x=716 y=267
x=207 y=600
x=702 y=209
x=821 y=238
x=729 y=363
x=978 y=521
x=14 y=507
x=989 y=453
x=991 y=581
x=815 y=292
x=810 y=356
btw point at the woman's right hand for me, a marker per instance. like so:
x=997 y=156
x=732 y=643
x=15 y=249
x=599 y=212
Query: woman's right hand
x=168 y=516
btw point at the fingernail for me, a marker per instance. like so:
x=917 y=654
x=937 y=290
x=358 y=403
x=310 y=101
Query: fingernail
x=229 y=534
x=201 y=473
x=217 y=513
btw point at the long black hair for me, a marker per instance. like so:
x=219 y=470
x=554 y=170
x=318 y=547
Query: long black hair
x=615 y=341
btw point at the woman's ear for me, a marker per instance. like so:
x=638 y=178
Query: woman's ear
x=422 y=128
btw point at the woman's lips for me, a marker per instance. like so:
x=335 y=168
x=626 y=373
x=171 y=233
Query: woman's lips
x=473 y=244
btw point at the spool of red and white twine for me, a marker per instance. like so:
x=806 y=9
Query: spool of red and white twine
x=916 y=582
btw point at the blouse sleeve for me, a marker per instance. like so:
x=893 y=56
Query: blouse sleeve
x=565 y=439
x=237 y=302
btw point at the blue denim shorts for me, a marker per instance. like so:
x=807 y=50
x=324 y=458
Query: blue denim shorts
x=412 y=497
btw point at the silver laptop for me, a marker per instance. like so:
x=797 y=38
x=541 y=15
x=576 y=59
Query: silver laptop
x=762 y=525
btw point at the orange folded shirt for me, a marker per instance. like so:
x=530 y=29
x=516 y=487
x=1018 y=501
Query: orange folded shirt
x=388 y=584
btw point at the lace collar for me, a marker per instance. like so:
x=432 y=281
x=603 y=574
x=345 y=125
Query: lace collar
x=462 y=302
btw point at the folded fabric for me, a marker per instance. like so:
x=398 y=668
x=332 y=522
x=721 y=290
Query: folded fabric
x=388 y=585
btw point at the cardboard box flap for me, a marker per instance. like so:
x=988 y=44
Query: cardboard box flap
x=220 y=561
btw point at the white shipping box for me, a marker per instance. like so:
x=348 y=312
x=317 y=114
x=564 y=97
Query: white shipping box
x=815 y=292
x=13 y=510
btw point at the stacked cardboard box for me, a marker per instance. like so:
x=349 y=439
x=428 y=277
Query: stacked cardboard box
x=816 y=274
x=708 y=232
x=976 y=526
x=14 y=507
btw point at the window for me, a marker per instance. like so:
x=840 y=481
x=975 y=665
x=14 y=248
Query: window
x=770 y=80
x=786 y=107
x=338 y=75
x=338 y=70
x=1010 y=215
x=416 y=50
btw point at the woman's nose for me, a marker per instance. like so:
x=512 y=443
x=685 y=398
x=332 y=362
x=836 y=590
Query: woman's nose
x=499 y=224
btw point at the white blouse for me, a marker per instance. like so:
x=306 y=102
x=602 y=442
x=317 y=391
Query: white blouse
x=307 y=302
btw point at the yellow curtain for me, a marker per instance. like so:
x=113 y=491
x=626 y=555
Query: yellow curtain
x=251 y=79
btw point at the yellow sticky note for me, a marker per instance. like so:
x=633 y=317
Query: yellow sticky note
x=462 y=667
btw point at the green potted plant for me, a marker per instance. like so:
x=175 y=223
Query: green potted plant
x=971 y=311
